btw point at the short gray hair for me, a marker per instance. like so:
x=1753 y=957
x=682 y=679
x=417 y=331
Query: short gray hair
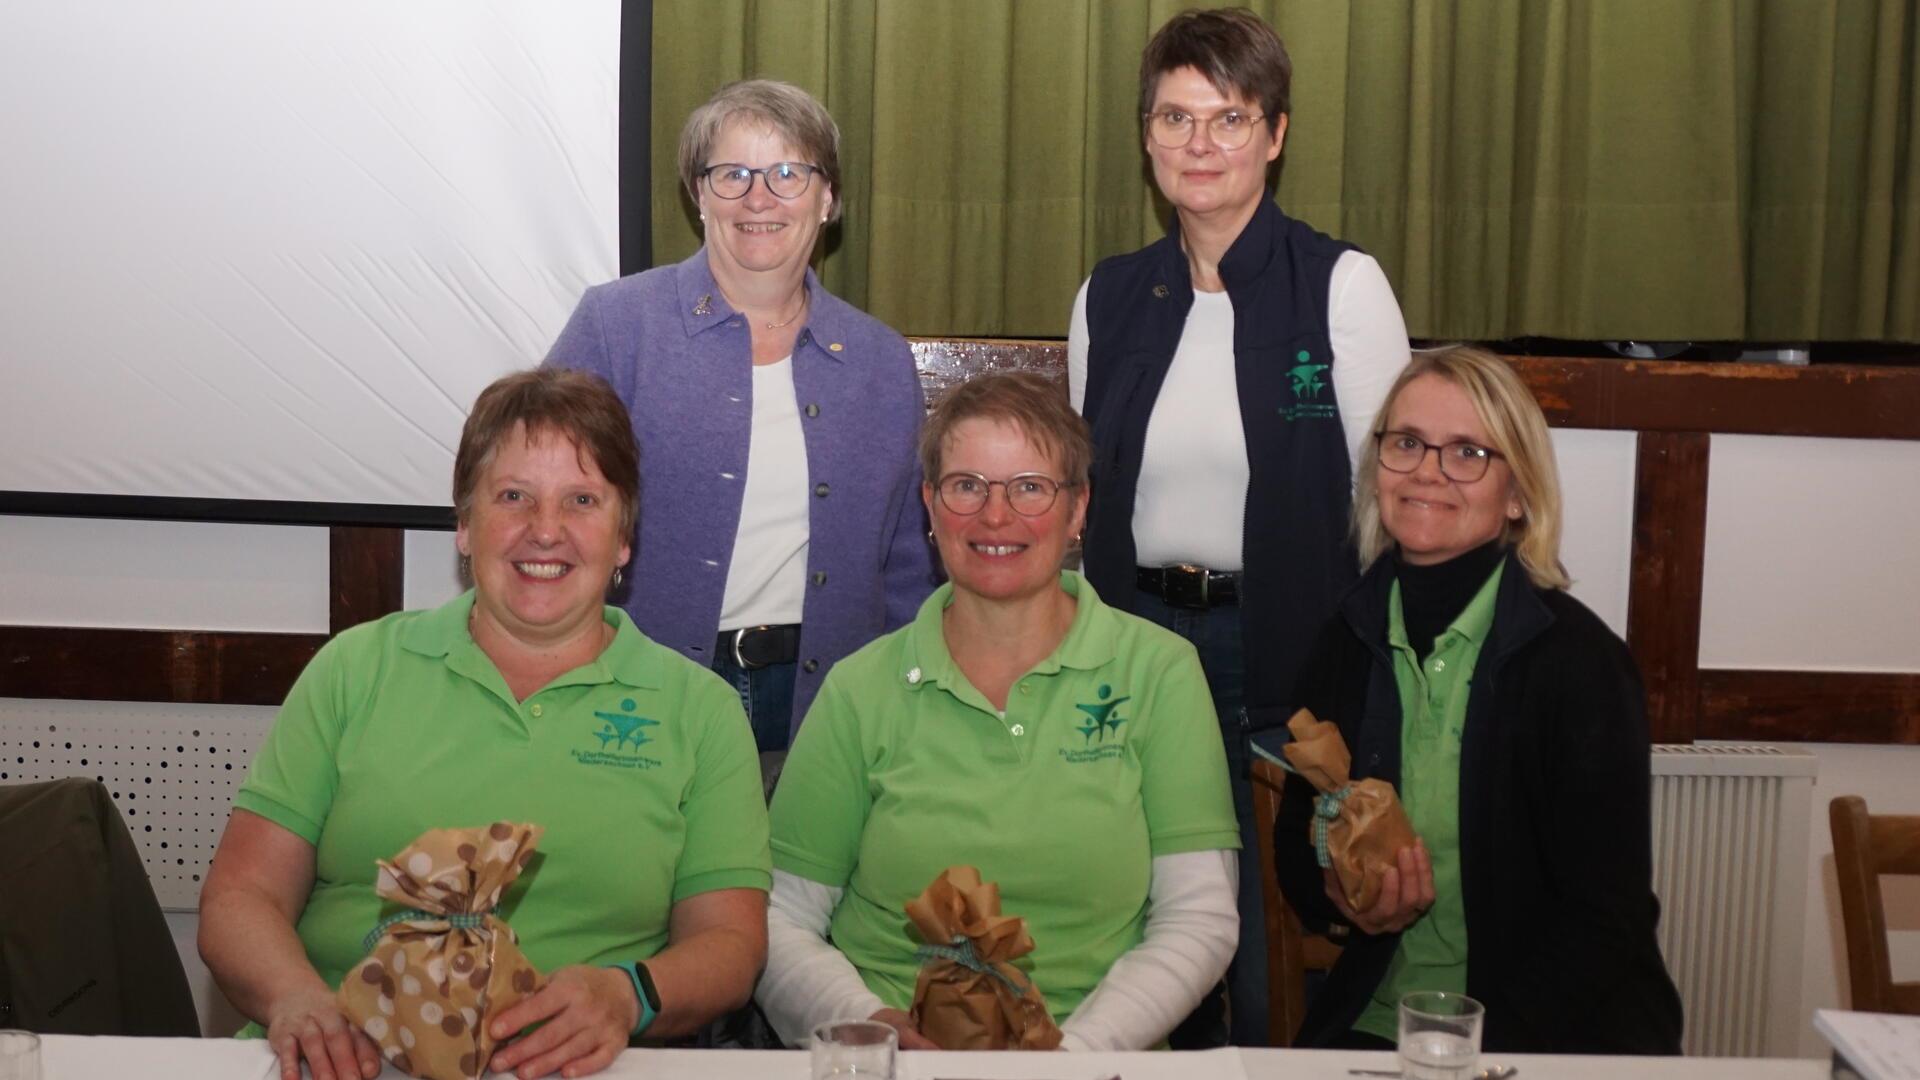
x=790 y=112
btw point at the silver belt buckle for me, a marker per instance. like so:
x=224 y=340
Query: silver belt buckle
x=739 y=660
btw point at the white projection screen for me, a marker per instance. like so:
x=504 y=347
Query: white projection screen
x=272 y=251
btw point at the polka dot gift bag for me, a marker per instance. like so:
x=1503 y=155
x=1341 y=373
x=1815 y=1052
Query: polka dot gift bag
x=440 y=968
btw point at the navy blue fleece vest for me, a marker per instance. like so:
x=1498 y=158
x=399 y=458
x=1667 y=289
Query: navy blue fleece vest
x=1297 y=558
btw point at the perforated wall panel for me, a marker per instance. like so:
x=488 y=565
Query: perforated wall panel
x=172 y=770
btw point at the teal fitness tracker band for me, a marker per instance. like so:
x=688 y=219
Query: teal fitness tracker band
x=642 y=989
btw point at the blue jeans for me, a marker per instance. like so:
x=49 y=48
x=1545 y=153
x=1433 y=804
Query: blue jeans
x=767 y=695
x=1215 y=634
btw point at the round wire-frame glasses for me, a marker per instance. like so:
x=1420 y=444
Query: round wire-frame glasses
x=1029 y=494
x=786 y=179
x=1230 y=129
x=1462 y=462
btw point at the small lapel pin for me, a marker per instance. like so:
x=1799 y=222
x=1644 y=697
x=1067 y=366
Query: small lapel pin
x=705 y=306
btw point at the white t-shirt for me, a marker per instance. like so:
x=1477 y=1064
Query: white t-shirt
x=1190 y=502
x=767 y=579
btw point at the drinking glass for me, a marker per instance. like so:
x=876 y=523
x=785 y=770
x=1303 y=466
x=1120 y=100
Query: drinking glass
x=854 y=1050
x=19 y=1055
x=1439 y=1035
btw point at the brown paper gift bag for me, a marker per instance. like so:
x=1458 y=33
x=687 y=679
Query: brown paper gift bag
x=437 y=972
x=970 y=996
x=1358 y=826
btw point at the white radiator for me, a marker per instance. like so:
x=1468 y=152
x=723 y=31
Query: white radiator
x=1730 y=828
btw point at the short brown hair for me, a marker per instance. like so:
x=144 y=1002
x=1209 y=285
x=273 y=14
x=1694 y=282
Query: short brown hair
x=1516 y=428
x=550 y=401
x=1232 y=47
x=1030 y=402
x=785 y=109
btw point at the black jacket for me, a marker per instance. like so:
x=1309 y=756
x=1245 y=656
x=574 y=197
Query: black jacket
x=1297 y=559
x=84 y=948
x=1556 y=845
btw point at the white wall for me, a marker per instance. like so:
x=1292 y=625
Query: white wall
x=1813 y=555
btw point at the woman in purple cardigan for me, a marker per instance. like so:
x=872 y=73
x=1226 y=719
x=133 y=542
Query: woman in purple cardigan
x=780 y=525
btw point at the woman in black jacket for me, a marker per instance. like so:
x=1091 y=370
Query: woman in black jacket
x=1512 y=722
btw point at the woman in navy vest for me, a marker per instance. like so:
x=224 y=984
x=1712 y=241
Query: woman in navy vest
x=1229 y=372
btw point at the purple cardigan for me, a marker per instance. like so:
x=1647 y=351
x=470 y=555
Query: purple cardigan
x=681 y=360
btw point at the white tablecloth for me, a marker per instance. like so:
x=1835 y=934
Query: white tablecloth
x=67 y=1057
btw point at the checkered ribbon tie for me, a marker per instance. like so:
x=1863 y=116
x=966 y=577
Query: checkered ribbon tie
x=962 y=952
x=1326 y=810
x=459 y=920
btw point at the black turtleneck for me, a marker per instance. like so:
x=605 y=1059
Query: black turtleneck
x=1431 y=597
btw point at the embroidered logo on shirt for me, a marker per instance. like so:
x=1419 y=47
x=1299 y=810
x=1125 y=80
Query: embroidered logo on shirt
x=616 y=732
x=1103 y=719
x=1307 y=383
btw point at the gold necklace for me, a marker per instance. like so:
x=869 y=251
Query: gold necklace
x=788 y=321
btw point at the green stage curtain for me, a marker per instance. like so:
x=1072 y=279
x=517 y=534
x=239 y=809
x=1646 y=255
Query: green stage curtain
x=1649 y=169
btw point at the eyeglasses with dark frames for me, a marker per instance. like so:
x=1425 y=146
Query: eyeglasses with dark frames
x=1230 y=129
x=1463 y=462
x=1029 y=494
x=786 y=179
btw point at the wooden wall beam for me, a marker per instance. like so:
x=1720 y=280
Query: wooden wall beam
x=1669 y=565
x=1810 y=706
x=184 y=666
x=367 y=574
x=1841 y=401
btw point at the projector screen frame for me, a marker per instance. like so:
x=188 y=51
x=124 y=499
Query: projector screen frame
x=226 y=511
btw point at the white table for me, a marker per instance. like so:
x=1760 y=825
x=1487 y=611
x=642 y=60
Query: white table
x=68 y=1057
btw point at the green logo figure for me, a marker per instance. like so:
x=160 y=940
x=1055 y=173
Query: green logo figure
x=1100 y=716
x=1306 y=376
x=622 y=727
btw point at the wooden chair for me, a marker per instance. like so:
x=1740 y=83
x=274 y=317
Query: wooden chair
x=1865 y=847
x=1291 y=951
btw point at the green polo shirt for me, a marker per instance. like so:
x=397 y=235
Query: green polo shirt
x=1433 y=713
x=1109 y=754
x=640 y=766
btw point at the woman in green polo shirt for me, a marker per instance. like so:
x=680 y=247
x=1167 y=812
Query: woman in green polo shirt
x=527 y=699
x=1067 y=750
x=1512 y=722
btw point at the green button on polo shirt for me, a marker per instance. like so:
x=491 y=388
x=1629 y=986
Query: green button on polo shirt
x=640 y=766
x=1432 y=954
x=1108 y=755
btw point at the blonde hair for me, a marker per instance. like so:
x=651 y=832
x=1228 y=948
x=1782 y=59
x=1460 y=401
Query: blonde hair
x=1515 y=427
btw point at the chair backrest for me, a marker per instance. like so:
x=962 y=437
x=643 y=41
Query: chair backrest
x=1291 y=951
x=1864 y=848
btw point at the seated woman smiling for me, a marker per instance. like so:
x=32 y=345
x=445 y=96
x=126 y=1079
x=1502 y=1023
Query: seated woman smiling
x=1512 y=722
x=1019 y=725
x=646 y=907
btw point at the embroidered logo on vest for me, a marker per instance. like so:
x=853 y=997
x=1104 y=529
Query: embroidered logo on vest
x=1307 y=385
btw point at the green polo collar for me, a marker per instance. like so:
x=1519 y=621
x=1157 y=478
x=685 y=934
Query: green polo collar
x=1473 y=622
x=1089 y=643
x=629 y=659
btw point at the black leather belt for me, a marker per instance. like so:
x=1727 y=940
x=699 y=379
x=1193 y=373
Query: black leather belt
x=754 y=647
x=1190 y=586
